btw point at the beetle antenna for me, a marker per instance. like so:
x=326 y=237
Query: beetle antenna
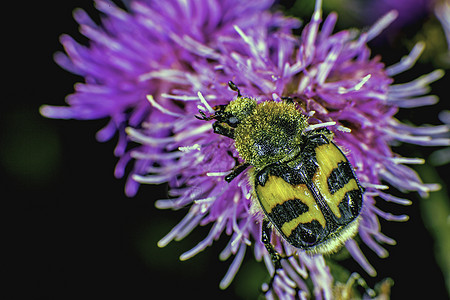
x=234 y=87
x=204 y=117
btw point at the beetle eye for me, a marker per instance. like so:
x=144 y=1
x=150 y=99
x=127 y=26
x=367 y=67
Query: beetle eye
x=232 y=121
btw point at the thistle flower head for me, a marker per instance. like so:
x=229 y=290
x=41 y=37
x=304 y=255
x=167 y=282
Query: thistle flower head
x=151 y=69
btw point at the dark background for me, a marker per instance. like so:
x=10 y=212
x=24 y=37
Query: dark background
x=72 y=233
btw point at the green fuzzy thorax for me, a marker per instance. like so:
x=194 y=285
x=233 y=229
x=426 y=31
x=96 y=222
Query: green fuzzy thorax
x=269 y=133
x=241 y=108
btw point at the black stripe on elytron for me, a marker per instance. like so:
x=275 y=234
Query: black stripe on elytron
x=307 y=235
x=328 y=215
x=287 y=211
x=350 y=205
x=340 y=176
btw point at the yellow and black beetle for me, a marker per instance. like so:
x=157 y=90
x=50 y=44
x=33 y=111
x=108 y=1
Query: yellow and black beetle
x=300 y=179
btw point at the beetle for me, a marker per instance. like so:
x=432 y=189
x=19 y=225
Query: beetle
x=300 y=179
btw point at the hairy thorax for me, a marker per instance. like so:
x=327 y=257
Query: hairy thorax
x=270 y=134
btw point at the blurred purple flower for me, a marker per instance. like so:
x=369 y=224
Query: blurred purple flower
x=409 y=10
x=442 y=12
x=152 y=68
x=442 y=156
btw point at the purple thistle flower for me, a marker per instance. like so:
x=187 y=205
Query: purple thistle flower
x=442 y=12
x=151 y=69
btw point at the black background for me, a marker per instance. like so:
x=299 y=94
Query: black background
x=70 y=230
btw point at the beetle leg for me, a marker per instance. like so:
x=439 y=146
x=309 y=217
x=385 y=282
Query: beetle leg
x=266 y=232
x=323 y=131
x=287 y=99
x=236 y=171
x=219 y=128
